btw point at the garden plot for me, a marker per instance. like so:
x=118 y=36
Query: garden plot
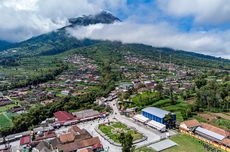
x=114 y=129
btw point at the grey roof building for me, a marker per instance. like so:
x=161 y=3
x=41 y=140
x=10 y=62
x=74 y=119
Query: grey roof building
x=156 y=111
x=157 y=114
x=209 y=134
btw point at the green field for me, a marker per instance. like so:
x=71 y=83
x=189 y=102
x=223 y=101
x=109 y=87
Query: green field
x=220 y=122
x=5 y=120
x=113 y=130
x=223 y=123
x=186 y=143
x=152 y=99
x=7 y=107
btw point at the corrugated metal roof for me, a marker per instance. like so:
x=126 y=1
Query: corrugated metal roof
x=210 y=133
x=164 y=144
x=156 y=111
x=156 y=125
x=140 y=118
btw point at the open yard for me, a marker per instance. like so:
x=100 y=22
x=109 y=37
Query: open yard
x=6 y=107
x=5 y=120
x=187 y=144
x=113 y=130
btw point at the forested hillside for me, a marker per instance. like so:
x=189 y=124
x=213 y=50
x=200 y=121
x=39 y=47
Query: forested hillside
x=4 y=45
x=60 y=41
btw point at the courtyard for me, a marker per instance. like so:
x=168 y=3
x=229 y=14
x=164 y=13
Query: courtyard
x=113 y=129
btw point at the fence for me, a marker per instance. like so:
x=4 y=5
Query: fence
x=207 y=141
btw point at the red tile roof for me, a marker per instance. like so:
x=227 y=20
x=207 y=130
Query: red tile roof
x=63 y=116
x=192 y=123
x=65 y=138
x=25 y=140
x=86 y=150
x=48 y=134
x=75 y=130
x=73 y=146
x=226 y=141
x=89 y=142
x=98 y=145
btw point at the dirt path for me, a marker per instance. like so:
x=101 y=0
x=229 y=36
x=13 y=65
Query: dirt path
x=222 y=115
x=4 y=113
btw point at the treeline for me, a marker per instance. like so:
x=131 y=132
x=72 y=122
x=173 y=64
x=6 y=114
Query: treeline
x=9 y=61
x=212 y=96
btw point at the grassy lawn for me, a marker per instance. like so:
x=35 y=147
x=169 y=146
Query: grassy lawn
x=179 y=116
x=59 y=94
x=113 y=130
x=5 y=121
x=186 y=144
x=5 y=108
x=162 y=103
x=146 y=98
x=151 y=99
x=223 y=123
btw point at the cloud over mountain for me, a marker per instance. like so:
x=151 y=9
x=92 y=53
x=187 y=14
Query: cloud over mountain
x=23 y=19
x=202 y=26
x=160 y=35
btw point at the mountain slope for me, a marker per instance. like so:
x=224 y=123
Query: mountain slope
x=177 y=57
x=60 y=41
x=180 y=57
x=4 y=45
x=103 y=17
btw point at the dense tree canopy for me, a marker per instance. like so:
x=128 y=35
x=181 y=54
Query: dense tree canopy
x=213 y=97
x=126 y=141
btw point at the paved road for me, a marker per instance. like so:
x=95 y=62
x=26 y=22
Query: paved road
x=151 y=134
x=14 y=145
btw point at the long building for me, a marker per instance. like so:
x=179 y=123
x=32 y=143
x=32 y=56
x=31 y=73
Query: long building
x=157 y=114
x=207 y=131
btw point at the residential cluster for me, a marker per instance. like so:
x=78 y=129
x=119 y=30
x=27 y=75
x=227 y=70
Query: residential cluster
x=82 y=75
x=75 y=139
x=51 y=137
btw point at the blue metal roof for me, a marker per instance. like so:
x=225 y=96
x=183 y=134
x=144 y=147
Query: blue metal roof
x=156 y=111
x=210 y=133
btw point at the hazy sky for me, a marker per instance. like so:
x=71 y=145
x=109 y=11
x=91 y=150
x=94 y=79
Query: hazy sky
x=202 y=26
